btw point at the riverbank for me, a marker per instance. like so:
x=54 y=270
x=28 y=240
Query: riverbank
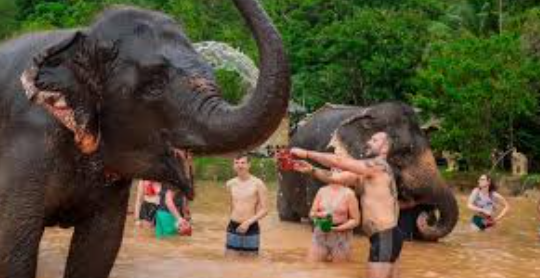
x=508 y=185
x=218 y=170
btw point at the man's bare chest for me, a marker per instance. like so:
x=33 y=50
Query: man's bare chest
x=245 y=191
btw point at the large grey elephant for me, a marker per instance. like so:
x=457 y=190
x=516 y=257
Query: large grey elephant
x=411 y=157
x=97 y=107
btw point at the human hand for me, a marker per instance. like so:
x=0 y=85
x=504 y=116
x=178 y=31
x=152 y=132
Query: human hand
x=242 y=229
x=181 y=222
x=486 y=212
x=490 y=222
x=298 y=152
x=184 y=228
x=137 y=222
x=321 y=214
x=302 y=166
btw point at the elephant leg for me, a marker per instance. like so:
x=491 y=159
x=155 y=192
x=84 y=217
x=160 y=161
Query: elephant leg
x=21 y=230
x=285 y=208
x=96 y=240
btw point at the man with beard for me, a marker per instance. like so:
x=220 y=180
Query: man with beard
x=379 y=198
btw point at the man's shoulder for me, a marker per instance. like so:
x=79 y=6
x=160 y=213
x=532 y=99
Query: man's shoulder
x=349 y=191
x=257 y=181
x=380 y=163
x=231 y=182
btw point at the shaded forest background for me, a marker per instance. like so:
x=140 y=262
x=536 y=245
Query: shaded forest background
x=472 y=64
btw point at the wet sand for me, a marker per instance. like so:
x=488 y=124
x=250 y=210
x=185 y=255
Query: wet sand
x=510 y=250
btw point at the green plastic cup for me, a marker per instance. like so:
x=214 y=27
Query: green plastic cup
x=324 y=223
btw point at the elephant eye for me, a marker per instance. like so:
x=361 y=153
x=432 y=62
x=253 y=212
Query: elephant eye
x=154 y=83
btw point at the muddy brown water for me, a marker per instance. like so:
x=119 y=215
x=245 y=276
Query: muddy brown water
x=510 y=250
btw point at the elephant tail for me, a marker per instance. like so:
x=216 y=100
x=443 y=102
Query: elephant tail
x=442 y=219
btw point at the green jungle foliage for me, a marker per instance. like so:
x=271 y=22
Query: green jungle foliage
x=472 y=64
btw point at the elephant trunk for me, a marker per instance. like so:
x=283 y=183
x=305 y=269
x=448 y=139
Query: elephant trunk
x=427 y=187
x=227 y=128
x=431 y=227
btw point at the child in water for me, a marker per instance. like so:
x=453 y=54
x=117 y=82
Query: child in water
x=483 y=201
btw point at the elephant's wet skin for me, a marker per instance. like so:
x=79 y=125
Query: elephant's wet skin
x=82 y=112
x=411 y=158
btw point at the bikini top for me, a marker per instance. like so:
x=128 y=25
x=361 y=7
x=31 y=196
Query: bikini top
x=331 y=203
x=149 y=189
x=484 y=202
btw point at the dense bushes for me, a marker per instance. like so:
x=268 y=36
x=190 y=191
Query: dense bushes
x=454 y=59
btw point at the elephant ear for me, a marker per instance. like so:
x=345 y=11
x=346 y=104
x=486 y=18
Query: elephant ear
x=355 y=131
x=64 y=80
x=396 y=120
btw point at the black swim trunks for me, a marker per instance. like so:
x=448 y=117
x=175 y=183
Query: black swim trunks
x=385 y=246
x=248 y=242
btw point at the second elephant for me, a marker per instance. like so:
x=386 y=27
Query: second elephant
x=411 y=157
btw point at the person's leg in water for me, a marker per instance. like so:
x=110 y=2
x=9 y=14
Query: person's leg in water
x=384 y=252
x=395 y=269
x=342 y=249
x=318 y=251
x=379 y=270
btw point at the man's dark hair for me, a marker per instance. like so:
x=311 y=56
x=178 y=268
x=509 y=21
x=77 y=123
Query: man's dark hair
x=242 y=155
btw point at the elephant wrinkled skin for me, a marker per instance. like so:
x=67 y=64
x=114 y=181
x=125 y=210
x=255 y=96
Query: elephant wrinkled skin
x=411 y=158
x=85 y=111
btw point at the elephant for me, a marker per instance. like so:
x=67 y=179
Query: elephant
x=418 y=179
x=85 y=111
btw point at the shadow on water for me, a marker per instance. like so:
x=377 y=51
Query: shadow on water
x=510 y=250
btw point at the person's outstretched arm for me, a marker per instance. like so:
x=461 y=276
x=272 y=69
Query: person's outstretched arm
x=344 y=178
x=359 y=167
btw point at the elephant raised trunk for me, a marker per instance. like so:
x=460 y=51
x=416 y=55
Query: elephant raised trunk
x=441 y=199
x=134 y=74
x=229 y=128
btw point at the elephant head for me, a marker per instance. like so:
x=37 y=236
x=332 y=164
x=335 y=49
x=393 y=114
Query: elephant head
x=132 y=89
x=411 y=157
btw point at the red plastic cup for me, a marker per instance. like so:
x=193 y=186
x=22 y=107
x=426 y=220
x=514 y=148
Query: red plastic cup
x=285 y=160
x=185 y=229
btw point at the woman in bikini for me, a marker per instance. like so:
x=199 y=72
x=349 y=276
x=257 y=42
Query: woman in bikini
x=146 y=202
x=484 y=201
x=341 y=204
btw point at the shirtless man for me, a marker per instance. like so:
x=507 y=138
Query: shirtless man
x=379 y=203
x=248 y=205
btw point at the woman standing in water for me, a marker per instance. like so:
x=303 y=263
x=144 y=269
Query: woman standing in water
x=337 y=205
x=146 y=202
x=483 y=201
x=335 y=210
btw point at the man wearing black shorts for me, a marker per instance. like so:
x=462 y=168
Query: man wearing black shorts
x=379 y=203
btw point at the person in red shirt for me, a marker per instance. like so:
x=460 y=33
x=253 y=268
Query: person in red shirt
x=146 y=202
